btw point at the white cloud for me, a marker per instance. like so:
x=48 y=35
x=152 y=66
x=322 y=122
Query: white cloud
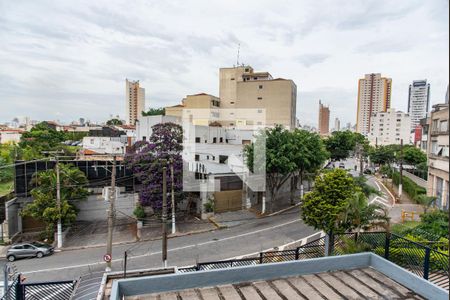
x=73 y=57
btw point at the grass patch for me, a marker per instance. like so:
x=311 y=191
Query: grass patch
x=6 y=188
x=401 y=227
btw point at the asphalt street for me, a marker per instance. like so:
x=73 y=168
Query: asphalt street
x=253 y=236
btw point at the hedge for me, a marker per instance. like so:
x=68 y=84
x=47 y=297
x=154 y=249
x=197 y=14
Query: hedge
x=409 y=187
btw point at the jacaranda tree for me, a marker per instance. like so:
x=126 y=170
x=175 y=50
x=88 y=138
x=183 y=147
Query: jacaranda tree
x=148 y=159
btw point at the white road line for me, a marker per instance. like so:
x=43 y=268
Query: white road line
x=378 y=186
x=169 y=250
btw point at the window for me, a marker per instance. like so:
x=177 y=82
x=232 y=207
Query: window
x=197 y=157
x=197 y=140
x=443 y=126
x=214 y=140
x=260 y=86
x=232 y=79
x=222 y=159
x=221 y=140
x=259 y=98
x=28 y=247
x=231 y=102
x=144 y=138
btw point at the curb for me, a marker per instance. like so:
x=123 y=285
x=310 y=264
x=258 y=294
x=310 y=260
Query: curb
x=283 y=210
x=218 y=225
x=138 y=241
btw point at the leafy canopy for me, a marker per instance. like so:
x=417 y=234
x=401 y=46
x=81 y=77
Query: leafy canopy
x=43 y=207
x=154 y=112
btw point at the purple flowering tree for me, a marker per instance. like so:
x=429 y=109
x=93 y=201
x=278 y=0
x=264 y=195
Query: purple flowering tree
x=147 y=160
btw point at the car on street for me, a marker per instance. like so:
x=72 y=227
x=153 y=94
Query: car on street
x=341 y=165
x=34 y=249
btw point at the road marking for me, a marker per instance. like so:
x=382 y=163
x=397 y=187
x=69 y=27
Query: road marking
x=169 y=250
x=378 y=186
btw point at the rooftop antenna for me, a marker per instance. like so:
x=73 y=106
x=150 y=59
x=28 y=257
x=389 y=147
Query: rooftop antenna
x=237 y=60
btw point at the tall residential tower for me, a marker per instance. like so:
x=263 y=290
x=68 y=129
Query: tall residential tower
x=418 y=101
x=324 y=119
x=135 y=101
x=374 y=95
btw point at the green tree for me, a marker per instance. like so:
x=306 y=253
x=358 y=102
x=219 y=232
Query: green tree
x=341 y=143
x=309 y=154
x=114 y=121
x=425 y=201
x=280 y=158
x=41 y=137
x=361 y=182
x=382 y=155
x=414 y=156
x=325 y=206
x=154 y=112
x=44 y=207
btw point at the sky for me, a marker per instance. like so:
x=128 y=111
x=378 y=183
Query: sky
x=62 y=60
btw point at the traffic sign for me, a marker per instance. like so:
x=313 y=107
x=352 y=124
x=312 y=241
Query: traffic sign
x=107 y=257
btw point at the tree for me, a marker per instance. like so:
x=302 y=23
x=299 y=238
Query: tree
x=324 y=207
x=309 y=154
x=361 y=182
x=279 y=155
x=425 y=201
x=383 y=155
x=414 y=156
x=340 y=143
x=40 y=138
x=114 y=121
x=148 y=159
x=44 y=208
x=154 y=112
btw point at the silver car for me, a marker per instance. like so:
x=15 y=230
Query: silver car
x=34 y=249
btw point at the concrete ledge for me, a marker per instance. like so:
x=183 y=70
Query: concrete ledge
x=175 y=282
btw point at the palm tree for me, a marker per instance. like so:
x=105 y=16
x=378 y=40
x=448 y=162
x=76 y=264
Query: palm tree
x=426 y=201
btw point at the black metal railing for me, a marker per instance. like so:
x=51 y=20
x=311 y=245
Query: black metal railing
x=430 y=264
x=56 y=290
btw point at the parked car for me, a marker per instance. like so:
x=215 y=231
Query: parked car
x=368 y=171
x=341 y=166
x=35 y=249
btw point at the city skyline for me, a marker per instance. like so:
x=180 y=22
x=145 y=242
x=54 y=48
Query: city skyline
x=76 y=62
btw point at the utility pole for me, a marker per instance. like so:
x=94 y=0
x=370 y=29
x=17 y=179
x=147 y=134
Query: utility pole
x=400 y=185
x=58 y=204
x=111 y=214
x=164 y=219
x=360 y=160
x=172 y=193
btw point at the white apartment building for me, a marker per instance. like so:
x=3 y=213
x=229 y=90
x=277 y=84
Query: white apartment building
x=418 y=101
x=144 y=125
x=135 y=101
x=390 y=127
x=10 y=136
x=374 y=95
x=105 y=145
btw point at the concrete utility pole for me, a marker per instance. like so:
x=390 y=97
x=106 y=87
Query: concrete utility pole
x=172 y=194
x=361 y=162
x=58 y=204
x=164 y=219
x=111 y=214
x=400 y=185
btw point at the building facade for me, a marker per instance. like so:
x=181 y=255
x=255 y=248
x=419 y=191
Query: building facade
x=337 y=124
x=438 y=155
x=374 y=95
x=135 y=101
x=242 y=88
x=324 y=119
x=197 y=101
x=389 y=127
x=418 y=101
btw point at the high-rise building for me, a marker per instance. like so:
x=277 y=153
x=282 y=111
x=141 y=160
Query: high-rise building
x=337 y=124
x=418 y=101
x=241 y=87
x=324 y=119
x=135 y=101
x=374 y=95
x=446 y=95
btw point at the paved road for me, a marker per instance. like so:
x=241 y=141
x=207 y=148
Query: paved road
x=254 y=236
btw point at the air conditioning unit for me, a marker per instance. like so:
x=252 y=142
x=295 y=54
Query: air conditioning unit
x=106 y=192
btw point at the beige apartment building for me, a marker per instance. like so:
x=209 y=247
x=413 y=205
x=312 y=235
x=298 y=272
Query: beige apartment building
x=242 y=88
x=197 y=101
x=438 y=155
x=324 y=119
x=374 y=95
x=135 y=101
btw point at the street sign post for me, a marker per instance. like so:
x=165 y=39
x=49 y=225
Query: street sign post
x=107 y=258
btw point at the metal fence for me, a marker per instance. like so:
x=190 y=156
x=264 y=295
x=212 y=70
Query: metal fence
x=57 y=290
x=430 y=264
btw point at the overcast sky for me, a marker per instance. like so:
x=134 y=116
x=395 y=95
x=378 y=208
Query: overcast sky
x=69 y=59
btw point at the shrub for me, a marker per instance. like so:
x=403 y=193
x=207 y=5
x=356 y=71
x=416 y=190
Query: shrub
x=139 y=212
x=410 y=187
x=209 y=206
